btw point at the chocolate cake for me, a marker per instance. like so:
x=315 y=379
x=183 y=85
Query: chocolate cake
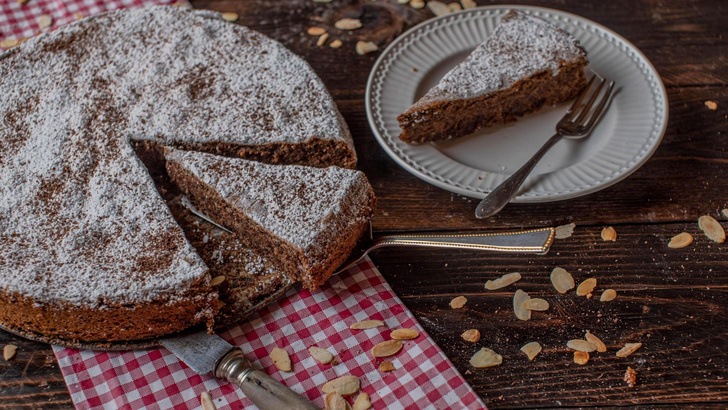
x=308 y=218
x=89 y=250
x=524 y=64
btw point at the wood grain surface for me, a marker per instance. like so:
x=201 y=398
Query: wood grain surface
x=673 y=301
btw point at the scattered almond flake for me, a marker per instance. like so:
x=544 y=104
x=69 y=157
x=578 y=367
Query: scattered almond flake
x=458 y=302
x=628 y=349
x=503 y=281
x=711 y=228
x=518 y=299
x=322 y=39
x=562 y=280
x=536 y=304
x=365 y=47
x=469 y=4
x=597 y=342
x=206 y=401
x=315 y=31
x=531 y=349
x=9 y=351
x=386 y=366
x=485 y=358
x=366 y=324
x=78 y=16
x=344 y=385
x=281 y=359
x=404 y=334
x=22 y=1
x=564 y=231
x=348 y=24
x=321 y=355
x=455 y=7
x=403 y=1
x=581 y=357
x=581 y=345
x=336 y=43
x=217 y=280
x=712 y=105
x=44 y=21
x=386 y=348
x=608 y=295
x=8 y=43
x=362 y=402
x=586 y=287
x=725 y=212
x=680 y=240
x=609 y=234
x=471 y=335
x=334 y=401
x=417 y=4
x=438 y=8
x=183 y=5
x=230 y=17
x=630 y=377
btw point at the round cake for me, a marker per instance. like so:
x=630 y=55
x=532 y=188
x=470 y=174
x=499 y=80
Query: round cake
x=89 y=249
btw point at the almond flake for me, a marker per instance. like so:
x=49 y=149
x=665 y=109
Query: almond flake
x=609 y=234
x=315 y=31
x=362 y=402
x=386 y=366
x=217 y=280
x=724 y=212
x=403 y=1
x=597 y=342
x=334 y=401
x=386 y=348
x=8 y=43
x=585 y=288
x=365 y=47
x=711 y=228
x=536 y=304
x=404 y=334
x=458 y=302
x=230 y=17
x=518 y=299
x=563 y=231
x=336 y=43
x=206 y=401
x=581 y=345
x=184 y=5
x=281 y=359
x=471 y=335
x=438 y=8
x=79 y=16
x=531 y=349
x=581 y=358
x=455 y=7
x=417 y=4
x=44 y=21
x=628 y=349
x=562 y=280
x=630 y=377
x=680 y=240
x=469 y=4
x=366 y=324
x=9 y=351
x=608 y=295
x=712 y=105
x=348 y=24
x=503 y=281
x=344 y=385
x=485 y=358
x=322 y=39
x=21 y=2
x=321 y=355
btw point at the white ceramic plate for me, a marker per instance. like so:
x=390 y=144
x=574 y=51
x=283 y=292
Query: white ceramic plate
x=627 y=135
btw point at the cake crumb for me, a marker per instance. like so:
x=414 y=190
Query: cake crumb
x=630 y=377
x=712 y=105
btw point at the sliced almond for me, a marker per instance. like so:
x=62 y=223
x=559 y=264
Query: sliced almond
x=44 y=21
x=344 y=385
x=206 y=401
x=597 y=342
x=536 y=304
x=485 y=358
x=417 y=4
x=455 y=7
x=458 y=302
x=386 y=348
x=365 y=47
x=609 y=234
x=21 y=2
x=586 y=287
x=336 y=43
x=321 y=355
x=471 y=335
x=404 y=334
x=315 y=31
x=531 y=349
x=518 y=299
x=322 y=39
x=563 y=231
x=581 y=357
x=438 y=8
x=680 y=240
x=711 y=228
x=366 y=324
x=334 y=401
x=217 y=280
x=79 y=16
x=628 y=349
x=183 y=4
x=562 y=280
x=8 y=43
x=469 y=4
x=503 y=281
x=403 y=1
x=281 y=359
x=9 y=351
x=362 y=402
x=230 y=16
x=581 y=345
x=386 y=366
x=348 y=24
x=608 y=295
x=724 y=212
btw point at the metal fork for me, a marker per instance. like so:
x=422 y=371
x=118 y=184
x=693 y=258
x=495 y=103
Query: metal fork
x=577 y=123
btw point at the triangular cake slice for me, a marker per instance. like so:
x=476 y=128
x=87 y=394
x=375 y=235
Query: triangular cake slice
x=524 y=64
x=306 y=219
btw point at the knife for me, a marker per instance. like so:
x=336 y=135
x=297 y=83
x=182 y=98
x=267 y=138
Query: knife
x=210 y=354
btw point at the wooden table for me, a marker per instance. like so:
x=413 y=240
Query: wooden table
x=673 y=301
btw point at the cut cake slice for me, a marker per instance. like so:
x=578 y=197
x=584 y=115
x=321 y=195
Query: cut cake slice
x=525 y=63
x=306 y=219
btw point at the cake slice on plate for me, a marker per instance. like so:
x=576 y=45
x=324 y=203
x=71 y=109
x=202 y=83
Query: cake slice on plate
x=306 y=219
x=524 y=64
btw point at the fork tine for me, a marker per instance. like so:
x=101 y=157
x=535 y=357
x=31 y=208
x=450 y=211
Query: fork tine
x=587 y=107
x=582 y=94
x=600 y=107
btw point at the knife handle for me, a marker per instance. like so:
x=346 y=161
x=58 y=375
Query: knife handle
x=266 y=392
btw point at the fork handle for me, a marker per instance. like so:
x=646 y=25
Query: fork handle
x=503 y=193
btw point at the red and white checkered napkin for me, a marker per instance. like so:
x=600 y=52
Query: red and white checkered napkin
x=424 y=378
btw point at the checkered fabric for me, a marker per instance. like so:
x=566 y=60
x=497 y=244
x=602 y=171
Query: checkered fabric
x=155 y=379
